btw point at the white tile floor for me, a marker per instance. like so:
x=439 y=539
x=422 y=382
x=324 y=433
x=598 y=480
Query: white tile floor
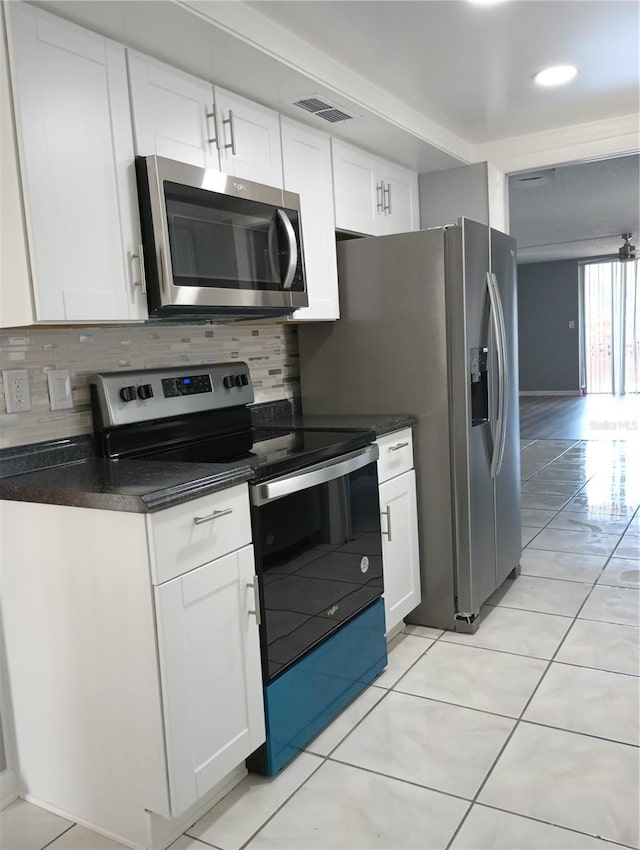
x=524 y=735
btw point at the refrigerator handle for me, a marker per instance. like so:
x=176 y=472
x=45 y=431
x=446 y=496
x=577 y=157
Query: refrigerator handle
x=497 y=317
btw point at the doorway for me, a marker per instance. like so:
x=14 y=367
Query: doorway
x=610 y=327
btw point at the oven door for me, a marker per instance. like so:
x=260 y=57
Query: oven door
x=214 y=241
x=318 y=548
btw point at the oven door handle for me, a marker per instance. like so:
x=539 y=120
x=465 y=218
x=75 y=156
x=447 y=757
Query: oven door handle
x=329 y=470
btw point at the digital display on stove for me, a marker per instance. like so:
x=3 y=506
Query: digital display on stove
x=186 y=385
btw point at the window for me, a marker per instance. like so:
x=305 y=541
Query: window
x=610 y=325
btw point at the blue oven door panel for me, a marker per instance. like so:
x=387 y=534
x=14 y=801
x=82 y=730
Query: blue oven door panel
x=305 y=698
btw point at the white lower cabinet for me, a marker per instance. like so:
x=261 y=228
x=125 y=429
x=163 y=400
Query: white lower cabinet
x=210 y=673
x=134 y=699
x=399 y=521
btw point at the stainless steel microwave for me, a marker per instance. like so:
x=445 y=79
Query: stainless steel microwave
x=216 y=244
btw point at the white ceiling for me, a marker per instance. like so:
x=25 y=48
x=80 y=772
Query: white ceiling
x=578 y=211
x=470 y=67
x=435 y=83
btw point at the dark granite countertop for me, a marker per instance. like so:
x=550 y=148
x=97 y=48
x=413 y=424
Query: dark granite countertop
x=137 y=486
x=381 y=423
x=67 y=472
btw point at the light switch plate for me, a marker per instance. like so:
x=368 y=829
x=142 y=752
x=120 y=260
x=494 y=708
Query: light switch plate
x=59 y=389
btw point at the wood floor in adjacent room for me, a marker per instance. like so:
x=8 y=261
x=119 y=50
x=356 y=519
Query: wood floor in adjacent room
x=590 y=417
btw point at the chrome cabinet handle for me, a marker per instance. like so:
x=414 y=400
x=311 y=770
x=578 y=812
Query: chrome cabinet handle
x=387 y=194
x=256 y=601
x=216 y=135
x=380 y=196
x=398 y=446
x=142 y=283
x=232 y=132
x=198 y=520
x=387 y=513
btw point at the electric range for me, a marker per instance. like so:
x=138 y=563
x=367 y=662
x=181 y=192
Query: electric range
x=315 y=526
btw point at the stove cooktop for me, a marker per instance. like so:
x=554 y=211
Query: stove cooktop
x=272 y=451
x=200 y=414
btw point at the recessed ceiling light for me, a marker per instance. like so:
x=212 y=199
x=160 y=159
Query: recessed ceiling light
x=555 y=76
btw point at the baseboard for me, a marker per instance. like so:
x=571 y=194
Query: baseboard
x=549 y=392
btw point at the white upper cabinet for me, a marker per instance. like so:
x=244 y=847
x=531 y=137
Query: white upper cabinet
x=372 y=196
x=76 y=155
x=401 y=211
x=172 y=113
x=188 y=119
x=357 y=202
x=306 y=158
x=249 y=139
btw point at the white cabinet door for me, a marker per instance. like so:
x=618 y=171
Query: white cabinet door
x=76 y=151
x=172 y=112
x=400 y=558
x=210 y=671
x=357 y=195
x=249 y=139
x=306 y=160
x=400 y=199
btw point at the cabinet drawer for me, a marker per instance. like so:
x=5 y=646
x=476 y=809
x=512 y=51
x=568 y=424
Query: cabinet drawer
x=396 y=454
x=198 y=531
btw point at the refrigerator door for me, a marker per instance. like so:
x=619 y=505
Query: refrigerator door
x=507 y=482
x=468 y=314
x=389 y=354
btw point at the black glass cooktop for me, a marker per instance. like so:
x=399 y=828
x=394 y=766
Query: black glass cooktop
x=273 y=452
x=281 y=451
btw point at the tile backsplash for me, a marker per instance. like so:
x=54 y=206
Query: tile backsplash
x=270 y=349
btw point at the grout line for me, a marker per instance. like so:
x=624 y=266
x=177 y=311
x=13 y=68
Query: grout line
x=577 y=731
x=64 y=832
x=284 y=803
x=324 y=759
x=390 y=689
x=528 y=702
x=400 y=779
x=557 y=826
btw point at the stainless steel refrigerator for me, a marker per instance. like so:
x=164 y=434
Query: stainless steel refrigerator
x=429 y=327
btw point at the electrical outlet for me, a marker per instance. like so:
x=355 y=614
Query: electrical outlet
x=16 y=390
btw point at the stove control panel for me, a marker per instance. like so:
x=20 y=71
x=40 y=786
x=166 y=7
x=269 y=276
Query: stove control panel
x=186 y=385
x=129 y=397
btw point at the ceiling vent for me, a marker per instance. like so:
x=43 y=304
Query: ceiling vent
x=534 y=178
x=319 y=107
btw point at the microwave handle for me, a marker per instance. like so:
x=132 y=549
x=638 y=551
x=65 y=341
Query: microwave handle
x=293 y=250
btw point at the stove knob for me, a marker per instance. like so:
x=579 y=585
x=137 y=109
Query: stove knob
x=244 y=380
x=145 y=391
x=229 y=381
x=237 y=380
x=128 y=394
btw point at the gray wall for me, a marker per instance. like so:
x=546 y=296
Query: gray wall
x=548 y=348
x=447 y=195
